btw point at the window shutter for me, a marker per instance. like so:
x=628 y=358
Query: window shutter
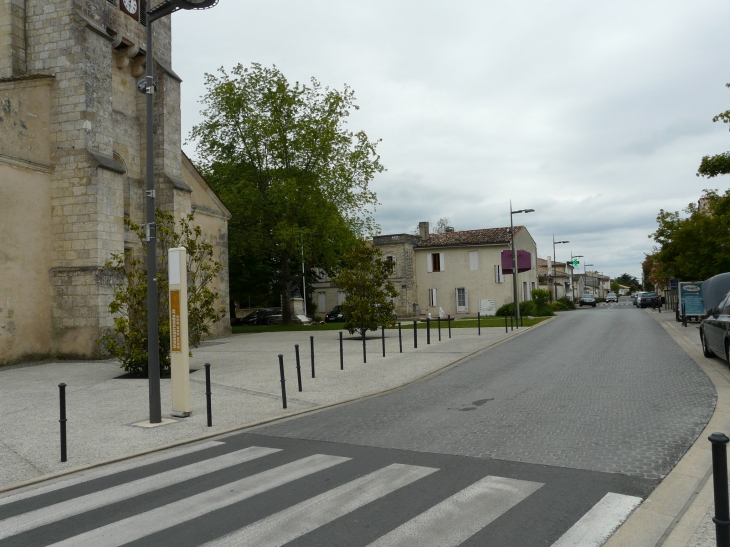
x=466 y=299
x=473 y=260
x=435 y=297
x=443 y=264
x=429 y=263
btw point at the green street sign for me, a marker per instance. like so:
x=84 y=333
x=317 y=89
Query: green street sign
x=576 y=262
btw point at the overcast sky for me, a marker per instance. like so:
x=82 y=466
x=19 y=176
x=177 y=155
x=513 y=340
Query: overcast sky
x=596 y=115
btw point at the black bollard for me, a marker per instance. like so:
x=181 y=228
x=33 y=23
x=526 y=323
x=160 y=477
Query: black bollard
x=684 y=315
x=439 y=325
x=428 y=330
x=415 y=334
x=62 y=421
x=511 y=323
x=449 y=325
x=400 y=338
x=299 y=368
x=479 y=323
x=719 y=477
x=281 y=372
x=505 y=323
x=342 y=355
x=311 y=352
x=208 y=394
x=382 y=330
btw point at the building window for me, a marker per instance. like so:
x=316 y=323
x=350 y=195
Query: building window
x=432 y=297
x=435 y=262
x=462 y=300
x=473 y=260
x=498 y=275
x=392 y=266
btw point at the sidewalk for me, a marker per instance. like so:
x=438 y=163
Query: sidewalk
x=103 y=408
x=679 y=512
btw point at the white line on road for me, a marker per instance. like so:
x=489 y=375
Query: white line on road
x=459 y=517
x=108 y=471
x=597 y=525
x=308 y=515
x=136 y=527
x=75 y=506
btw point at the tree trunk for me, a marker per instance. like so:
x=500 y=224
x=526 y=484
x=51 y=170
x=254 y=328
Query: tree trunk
x=285 y=290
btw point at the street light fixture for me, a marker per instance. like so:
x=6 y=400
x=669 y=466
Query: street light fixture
x=514 y=260
x=572 y=286
x=555 y=287
x=148 y=87
x=585 y=271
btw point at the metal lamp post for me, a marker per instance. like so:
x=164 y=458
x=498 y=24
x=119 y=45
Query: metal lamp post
x=585 y=271
x=555 y=287
x=572 y=286
x=514 y=260
x=148 y=87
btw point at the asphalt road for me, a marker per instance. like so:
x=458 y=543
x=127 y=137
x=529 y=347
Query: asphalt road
x=555 y=434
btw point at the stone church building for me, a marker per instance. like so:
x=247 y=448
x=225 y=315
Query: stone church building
x=72 y=157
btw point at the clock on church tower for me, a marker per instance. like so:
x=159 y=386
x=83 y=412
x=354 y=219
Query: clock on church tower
x=130 y=7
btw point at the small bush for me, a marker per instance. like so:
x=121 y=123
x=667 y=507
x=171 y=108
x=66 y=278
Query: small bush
x=598 y=300
x=568 y=302
x=526 y=308
x=559 y=306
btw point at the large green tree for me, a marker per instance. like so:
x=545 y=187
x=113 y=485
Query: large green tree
x=693 y=246
x=294 y=177
x=368 y=292
x=712 y=166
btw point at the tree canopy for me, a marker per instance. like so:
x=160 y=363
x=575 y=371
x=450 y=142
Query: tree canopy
x=692 y=247
x=294 y=177
x=712 y=166
x=368 y=292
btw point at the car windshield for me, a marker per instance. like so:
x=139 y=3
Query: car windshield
x=336 y=309
x=612 y=294
x=649 y=294
x=587 y=296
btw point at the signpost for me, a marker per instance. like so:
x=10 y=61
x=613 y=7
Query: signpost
x=179 y=352
x=576 y=262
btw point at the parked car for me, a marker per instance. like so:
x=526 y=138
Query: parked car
x=714 y=334
x=334 y=315
x=611 y=297
x=587 y=300
x=636 y=298
x=648 y=300
x=261 y=316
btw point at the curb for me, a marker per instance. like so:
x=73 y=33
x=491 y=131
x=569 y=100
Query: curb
x=668 y=516
x=253 y=425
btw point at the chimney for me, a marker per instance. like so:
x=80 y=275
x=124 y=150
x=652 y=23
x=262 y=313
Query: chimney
x=449 y=229
x=423 y=230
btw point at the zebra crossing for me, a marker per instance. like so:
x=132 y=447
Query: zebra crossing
x=87 y=510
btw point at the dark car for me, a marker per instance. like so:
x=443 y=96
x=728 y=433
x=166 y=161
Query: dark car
x=714 y=333
x=648 y=300
x=334 y=315
x=587 y=300
x=263 y=316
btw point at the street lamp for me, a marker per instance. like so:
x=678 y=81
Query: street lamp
x=514 y=260
x=585 y=272
x=555 y=287
x=572 y=286
x=148 y=87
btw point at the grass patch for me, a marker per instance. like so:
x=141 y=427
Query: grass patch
x=407 y=324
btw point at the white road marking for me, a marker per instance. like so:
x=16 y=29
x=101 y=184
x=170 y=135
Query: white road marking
x=308 y=515
x=75 y=506
x=459 y=517
x=136 y=527
x=598 y=524
x=108 y=471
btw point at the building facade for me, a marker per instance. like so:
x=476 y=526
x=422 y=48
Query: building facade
x=456 y=271
x=72 y=156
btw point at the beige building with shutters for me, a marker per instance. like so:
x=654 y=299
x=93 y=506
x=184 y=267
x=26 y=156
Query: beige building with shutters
x=455 y=271
x=72 y=156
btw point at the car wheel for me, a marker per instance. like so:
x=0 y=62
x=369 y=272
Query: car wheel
x=594 y=305
x=705 y=350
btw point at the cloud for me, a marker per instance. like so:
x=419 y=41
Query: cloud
x=595 y=115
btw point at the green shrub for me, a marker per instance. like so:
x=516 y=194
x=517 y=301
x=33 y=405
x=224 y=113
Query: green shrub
x=568 y=302
x=526 y=308
x=600 y=300
x=559 y=306
x=127 y=339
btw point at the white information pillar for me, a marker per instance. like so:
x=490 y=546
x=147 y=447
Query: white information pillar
x=179 y=353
